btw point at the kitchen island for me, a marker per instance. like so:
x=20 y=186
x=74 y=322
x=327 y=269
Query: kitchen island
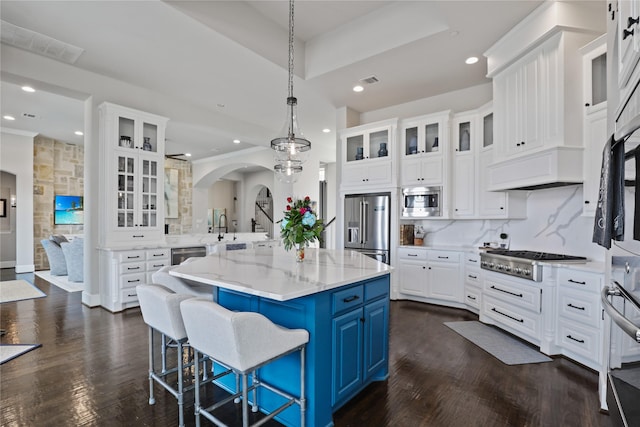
x=340 y=297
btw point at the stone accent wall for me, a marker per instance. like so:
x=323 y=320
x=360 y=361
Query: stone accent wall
x=184 y=222
x=58 y=168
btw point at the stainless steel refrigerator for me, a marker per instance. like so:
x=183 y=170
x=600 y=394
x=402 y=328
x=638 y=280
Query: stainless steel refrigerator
x=367 y=224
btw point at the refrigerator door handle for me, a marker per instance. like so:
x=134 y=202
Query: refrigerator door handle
x=365 y=225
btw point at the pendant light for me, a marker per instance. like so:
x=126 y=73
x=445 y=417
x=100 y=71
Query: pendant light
x=291 y=147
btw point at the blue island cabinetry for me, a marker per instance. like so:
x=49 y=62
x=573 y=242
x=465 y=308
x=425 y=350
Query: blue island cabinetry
x=347 y=350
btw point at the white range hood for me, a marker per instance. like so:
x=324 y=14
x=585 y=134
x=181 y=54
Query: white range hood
x=553 y=167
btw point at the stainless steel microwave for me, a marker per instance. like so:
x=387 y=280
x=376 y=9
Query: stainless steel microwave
x=421 y=202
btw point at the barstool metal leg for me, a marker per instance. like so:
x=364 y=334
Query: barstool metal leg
x=152 y=400
x=180 y=384
x=245 y=404
x=237 y=399
x=303 y=400
x=254 y=406
x=196 y=404
x=164 y=353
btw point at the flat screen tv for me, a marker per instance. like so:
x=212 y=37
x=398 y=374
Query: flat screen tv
x=68 y=210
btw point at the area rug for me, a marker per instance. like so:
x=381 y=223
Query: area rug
x=17 y=290
x=500 y=345
x=60 y=281
x=11 y=351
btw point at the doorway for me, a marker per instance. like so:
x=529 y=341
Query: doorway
x=7 y=220
x=262 y=221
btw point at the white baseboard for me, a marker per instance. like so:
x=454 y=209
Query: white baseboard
x=7 y=264
x=90 y=300
x=25 y=268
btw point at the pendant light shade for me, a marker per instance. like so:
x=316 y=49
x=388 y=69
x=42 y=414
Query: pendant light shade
x=291 y=146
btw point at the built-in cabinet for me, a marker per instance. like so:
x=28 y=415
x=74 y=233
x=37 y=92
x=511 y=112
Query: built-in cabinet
x=594 y=72
x=628 y=40
x=360 y=326
x=425 y=149
x=123 y=270
x=472 y=282
x=432 y=275
x=464 y=137
x=133 y=151
x=368 y=153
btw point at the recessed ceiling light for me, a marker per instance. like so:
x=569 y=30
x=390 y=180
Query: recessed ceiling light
x=326 y=130
x=471 y=60
x=79 y=133
x=358 y=88
x=8 y=117
x=187 y=154
x=28 y=89
x=236 y=141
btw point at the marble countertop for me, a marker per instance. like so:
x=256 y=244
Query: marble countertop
x=274 y=273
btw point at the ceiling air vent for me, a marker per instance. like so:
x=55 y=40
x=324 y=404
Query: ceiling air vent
x=369 y=80
x=39 y=43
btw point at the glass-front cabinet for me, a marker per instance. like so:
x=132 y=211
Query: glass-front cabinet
x=367 y=154
x=424 y=149
x=134 y=204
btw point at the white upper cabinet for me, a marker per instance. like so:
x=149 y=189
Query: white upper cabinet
x=424 y=150
x=368 y=155
x=465 y=139
x=133 y=193
x=628 y=39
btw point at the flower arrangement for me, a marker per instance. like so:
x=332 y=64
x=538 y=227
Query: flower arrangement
x=300 y=224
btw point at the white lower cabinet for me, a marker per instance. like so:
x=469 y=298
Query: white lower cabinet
x=430 y=275
x=122 y=270
x=580 y=316
x=472 y=282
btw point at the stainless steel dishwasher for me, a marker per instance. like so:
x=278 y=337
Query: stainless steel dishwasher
x=180 y=254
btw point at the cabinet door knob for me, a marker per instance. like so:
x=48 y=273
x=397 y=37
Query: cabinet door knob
x=522 y=142
x=631 y=21
x=587 y=105
x=626 y=33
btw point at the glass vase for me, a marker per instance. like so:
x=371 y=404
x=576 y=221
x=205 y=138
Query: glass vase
x=300 y=252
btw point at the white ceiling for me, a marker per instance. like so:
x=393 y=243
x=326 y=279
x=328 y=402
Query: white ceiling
x=227 y=61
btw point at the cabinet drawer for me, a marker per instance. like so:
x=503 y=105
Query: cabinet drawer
x=581 y=340
x=348 y=298
x=443 y=256
x=472 y=296
x=156 y=265
x=132 y=280
x=411 y=253
x=133 y=267
x=131 y=256
x=375 y=289
x=472 y=277
x=581 y=307
x=128 y=295
x=156 y=254
x=582 y=280
x=524 y=296
x=472 y=260
x=520 y=320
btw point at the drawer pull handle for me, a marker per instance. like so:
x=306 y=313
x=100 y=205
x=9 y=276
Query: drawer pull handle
x=133 y=281
x=138 y=235
x=576 y=282
x=412 y=254
x=443 y=257
x=472 y=260
x=575 y=339
x=132 y=295
x=133 y=268
x=471 y=298
x=133 y=257
x=576 y=307
x=472 y=276
x=507 y=292
x=158 y=254
x=158 y=265
x=506 y=315
x=351 y=298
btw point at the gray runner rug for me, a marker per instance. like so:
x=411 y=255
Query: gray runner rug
x=500 y=345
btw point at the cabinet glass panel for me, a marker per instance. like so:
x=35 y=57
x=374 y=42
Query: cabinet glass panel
x=432 y=137
x=378 y=144
x=130 y=164
x=464 y=136
x=487 y=130
x=355 y=148
x=126 y=132
x=599 y=79
x=150 y=137
x=411 y=141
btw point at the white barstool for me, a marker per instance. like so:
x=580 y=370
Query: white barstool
x=242 y=342
x=161 y=312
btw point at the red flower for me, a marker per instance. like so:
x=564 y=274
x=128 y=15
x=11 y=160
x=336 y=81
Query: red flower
x=288 y=207
x=302 y=211
x=289 y=200
x=307 y=199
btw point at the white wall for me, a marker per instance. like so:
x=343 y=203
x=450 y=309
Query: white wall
x=16 y=157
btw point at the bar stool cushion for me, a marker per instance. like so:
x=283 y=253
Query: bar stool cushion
x=161 y=310
x=241 y=340
x=181 y=286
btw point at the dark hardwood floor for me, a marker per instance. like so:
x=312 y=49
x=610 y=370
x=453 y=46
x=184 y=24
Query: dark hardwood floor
x=92 y=371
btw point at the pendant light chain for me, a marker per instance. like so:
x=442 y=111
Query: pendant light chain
x=290 y=48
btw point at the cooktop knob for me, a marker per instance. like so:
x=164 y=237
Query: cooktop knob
x=507 y=268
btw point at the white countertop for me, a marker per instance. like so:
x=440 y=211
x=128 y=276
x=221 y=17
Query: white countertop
x=274 y=273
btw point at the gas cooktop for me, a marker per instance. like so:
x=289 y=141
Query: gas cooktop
x=537 y=256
